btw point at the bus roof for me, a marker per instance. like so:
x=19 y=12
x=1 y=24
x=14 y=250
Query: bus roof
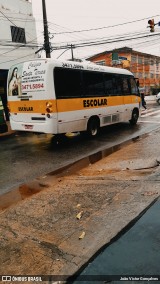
x=80 y=65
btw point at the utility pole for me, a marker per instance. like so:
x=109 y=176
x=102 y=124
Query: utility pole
x=46 y=36
x=72 y=46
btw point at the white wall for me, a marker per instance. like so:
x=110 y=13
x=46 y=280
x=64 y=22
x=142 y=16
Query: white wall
x=18 y=13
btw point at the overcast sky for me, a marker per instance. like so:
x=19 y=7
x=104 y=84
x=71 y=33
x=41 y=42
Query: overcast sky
x=106 y=20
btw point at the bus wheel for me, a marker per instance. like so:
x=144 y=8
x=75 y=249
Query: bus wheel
x=135 y=116
x=158 y=101
x=93 y=127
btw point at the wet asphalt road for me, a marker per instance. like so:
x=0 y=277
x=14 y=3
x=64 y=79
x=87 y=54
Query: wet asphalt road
x=134 y=255
x=26 y=156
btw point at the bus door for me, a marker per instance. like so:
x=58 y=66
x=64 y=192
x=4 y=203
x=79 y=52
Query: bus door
x=127 y=97
x=28 y=95
x=113 y=90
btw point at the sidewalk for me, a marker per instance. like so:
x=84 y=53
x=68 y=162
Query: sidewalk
x=134 y=250
x=58 y=230
x=150 y=99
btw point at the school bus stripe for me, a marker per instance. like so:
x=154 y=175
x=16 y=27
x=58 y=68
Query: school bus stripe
x=64 y=105
x=35 y=106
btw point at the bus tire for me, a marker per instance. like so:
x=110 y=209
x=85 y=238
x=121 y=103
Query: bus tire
x=134 y=118
x=93 y=127
x=158 y=101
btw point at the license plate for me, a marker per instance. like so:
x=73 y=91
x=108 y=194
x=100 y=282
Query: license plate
x=30 y=127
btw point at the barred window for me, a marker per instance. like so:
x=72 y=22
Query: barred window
x=146 y=61
x=18 y=34
x=140 y=60
x=133 y=59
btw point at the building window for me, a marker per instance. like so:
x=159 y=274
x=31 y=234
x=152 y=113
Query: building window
x=140 y=60
x=100 y=62
x=18 y=34
x=146 y=62
x=157 y=66
x=146 y=75
x=133 y=59
x=151 y=75
x=140 y=75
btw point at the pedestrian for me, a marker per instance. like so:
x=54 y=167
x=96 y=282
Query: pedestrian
x=143 y=100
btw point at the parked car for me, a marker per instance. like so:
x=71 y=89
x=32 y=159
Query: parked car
x=3 y=124
x=158 y=98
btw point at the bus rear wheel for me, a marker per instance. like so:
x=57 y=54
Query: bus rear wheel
x=93 y=127
x=135 y=116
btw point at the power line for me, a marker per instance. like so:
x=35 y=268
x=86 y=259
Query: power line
x=17 y=58
x=112 y=26
x=109 y=38
x=9 y=51
x=70 y=32
x=109 y=41
x=97 y=43
x=8 y=19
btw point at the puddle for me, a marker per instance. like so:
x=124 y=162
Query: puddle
x=18 y=194
x=84 y=162
x=27 y=190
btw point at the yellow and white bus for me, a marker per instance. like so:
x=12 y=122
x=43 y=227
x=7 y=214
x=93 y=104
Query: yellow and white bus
x=56 y=97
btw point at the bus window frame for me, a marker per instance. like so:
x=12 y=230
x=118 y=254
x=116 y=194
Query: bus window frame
x=117 y=80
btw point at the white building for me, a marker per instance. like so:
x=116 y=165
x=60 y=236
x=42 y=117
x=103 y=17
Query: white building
x=17 y=33
x=18 y=39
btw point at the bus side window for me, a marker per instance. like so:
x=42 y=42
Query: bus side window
x=108 y=83
x=134 y=88
x=125 y=86
x=113 y=84
x=93 y=85
x=117 y=84
x=67 y=83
